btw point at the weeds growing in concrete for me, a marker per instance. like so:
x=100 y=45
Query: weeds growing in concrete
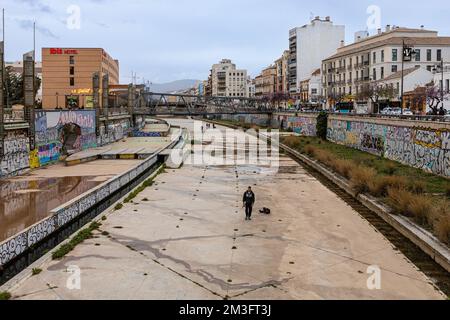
x=36 y=271
x=5 y=295
x=79 y=238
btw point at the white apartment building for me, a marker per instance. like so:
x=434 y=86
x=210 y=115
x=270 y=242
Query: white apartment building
x=227 y=81
x=378 y=57
x=308 y=46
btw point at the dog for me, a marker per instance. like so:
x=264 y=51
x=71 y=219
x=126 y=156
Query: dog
x=264 y=211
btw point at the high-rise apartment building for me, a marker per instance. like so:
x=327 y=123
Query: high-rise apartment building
x=308 y=46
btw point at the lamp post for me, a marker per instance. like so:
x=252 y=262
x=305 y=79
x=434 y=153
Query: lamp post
x=57 y=101
x=435 y=70
x=408 y=53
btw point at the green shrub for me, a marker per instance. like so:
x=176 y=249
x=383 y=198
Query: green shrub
x=5 y=295
x=36 y=271
x=322 y=125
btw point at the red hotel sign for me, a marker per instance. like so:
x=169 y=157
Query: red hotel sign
x=61 y=51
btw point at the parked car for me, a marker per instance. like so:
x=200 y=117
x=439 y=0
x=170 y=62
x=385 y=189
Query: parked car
x=407 y=112
x=396 y=111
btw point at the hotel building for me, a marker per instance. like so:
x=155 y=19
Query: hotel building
x=67 y=76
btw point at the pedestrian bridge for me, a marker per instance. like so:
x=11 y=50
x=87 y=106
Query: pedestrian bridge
x=164 y=104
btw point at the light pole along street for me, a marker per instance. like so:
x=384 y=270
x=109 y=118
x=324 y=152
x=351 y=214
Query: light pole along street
x=407 y=55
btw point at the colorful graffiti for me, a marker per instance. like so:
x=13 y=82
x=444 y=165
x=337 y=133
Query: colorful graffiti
x=424 y=148
x=305 y=126
x=49 y=137
x=16 y=149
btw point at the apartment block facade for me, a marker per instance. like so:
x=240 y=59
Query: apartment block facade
x=282 y=77
x=308 y=46
x=266 y=82
x=376 y=58
x=228 y=81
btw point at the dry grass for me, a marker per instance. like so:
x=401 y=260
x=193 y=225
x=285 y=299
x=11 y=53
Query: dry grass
x=418 y=187
x=442 y=222
x=310 y=150
x=421 y=209
x=343 y=167
x=379 y=185
x=399 y=200
x=360 y=177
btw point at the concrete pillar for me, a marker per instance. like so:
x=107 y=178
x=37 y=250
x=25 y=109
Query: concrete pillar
x=96 y=100
x=29 y=83
x=2 y=125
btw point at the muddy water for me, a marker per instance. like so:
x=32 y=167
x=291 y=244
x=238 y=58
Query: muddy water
x=25 y=202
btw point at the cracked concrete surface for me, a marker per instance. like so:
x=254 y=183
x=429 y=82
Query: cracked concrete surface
x=190 y=241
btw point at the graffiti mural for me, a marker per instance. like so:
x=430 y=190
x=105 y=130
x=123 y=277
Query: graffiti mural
x=423 y=148
x=305 y=126
x=114 y=132
x=50 y=136
x=16 y=148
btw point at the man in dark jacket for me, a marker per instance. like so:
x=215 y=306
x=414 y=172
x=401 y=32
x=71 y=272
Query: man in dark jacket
x=249 y=200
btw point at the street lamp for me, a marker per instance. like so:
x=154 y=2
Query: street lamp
x=435 y=70
x=408 y=53
x=57 y=101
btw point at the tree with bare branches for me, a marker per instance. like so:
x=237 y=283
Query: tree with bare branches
x=375 y=91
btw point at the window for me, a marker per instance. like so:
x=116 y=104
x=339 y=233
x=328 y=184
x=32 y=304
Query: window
x=72 y=71
x=374 y=58
x=394 y=68
x=394 y=54
x=71 y=59
x=417 y=54
x=72 y=81
x=429 y=54
x=429 y=68
x=439 y=55
x=382 y=55
x=374 y=74
x=382 y=72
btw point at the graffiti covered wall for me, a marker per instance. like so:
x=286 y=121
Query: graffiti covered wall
x=115 y=131
x=16 y=149
x=303 y=125
x=49 y=137
x=420 y=147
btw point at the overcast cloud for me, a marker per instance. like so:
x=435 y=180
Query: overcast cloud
x=164 y=40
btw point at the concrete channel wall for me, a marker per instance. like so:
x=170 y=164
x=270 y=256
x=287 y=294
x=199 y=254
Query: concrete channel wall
x=61 y=216
x=420 y=144
x=417 y=143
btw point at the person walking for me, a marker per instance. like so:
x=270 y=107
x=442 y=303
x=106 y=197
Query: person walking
x=249 y=200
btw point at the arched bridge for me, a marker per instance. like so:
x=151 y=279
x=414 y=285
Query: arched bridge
x=191 y=105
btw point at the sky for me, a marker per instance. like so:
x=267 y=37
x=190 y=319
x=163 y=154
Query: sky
x=166 y=40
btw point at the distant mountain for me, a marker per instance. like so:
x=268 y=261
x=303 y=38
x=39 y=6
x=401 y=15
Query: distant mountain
x=174 y=86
